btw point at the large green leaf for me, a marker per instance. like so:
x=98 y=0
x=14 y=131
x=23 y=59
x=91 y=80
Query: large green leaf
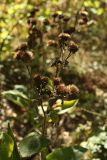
x=17 y=97
x=15 y=154
x=6 y=147
x=66 y=153
x=32 y=144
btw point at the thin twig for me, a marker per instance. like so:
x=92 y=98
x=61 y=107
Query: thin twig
x=31 y=79
x=44 y=122
x=69 y=55
x=94 y=113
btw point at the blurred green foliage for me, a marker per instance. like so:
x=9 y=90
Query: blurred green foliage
x=13 y=20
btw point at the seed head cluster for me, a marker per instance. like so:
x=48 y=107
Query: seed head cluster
x=23 y=54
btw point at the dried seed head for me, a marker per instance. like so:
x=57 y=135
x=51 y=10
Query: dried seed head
x=52 y=43
x=28 y=21
x=60 y=16
x=25 y=56
x=61 y=89
x=46 y=22
x=64 y=37
x=83 y=21
x=53 y=25
x=74 y=89
x=18 y=55
x=31 y=21
x=37 y=80
x=84 y=13
x=36 y=8
x=30 y=55
x=66 y=18
x=73 y=47
x=44 y=81
x=33 y=11
x=71 y=89
x=40 y=81
x=56 y=81
x=22 y=47
x=38 y=32
x=68 y=89
x=54 y=15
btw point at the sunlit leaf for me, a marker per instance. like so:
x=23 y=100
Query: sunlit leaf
x=15 y=154
x=6 y=147
x=66 y=106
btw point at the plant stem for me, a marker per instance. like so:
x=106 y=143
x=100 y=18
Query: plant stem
x=94 y=113
x=44 y=132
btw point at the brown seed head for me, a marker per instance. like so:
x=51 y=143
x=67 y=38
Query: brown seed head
x=31 y=21
x=56 y=81
x=25 y=56
x=22 y=47
x=84 y=13
x=64 y=37
x=66 y=18
x=36 y=8
x=44 y=81
x=60 y=16
x=73 y=47
x=52 y=43
x=33 y=11
x=83 y=21
x=71 y=89
x=54 y=15
x=68 y=89
x=46 y=22
x=18 y=55
x=37 y=80
x=61 y=89
x=74 y=89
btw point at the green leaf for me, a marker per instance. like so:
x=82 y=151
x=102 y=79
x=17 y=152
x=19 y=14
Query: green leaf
x=67 y=106
x=100 y=11
x=17 y=97
x=32 y=144
x=50 y=85
x=79 y=152
x=66 y=153
x=6 y=147
x=21 y=88
x=15 y=154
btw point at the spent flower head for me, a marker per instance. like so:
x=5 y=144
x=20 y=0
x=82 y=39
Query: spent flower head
x=73 y=47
